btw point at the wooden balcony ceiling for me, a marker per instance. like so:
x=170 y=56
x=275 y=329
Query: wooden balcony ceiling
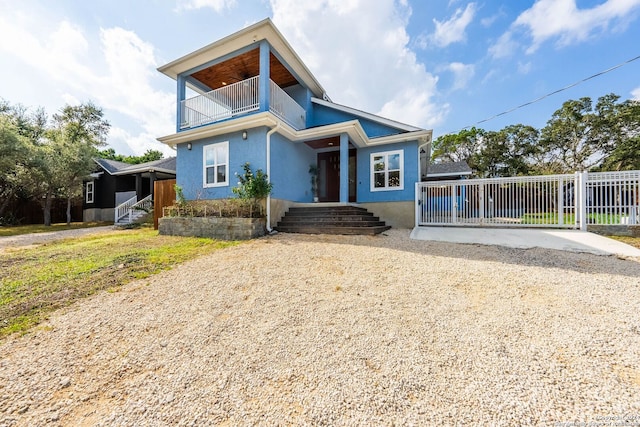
x=241 y=68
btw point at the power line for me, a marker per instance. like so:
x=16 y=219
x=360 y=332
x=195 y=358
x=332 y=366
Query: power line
x=555 y=91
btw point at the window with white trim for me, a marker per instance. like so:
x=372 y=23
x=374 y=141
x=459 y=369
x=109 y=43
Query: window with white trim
x=387 y=171
x=89 y=192
x=216 y=164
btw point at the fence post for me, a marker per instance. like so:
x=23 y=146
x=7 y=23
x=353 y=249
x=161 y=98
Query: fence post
x=417 y=207
x=581 y=199
x=481 y=202
x=560 y=201
x=454 y=203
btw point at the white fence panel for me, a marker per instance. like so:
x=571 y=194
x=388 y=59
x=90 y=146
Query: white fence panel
x=536 y=201
x=613 y=198
x=557 y=201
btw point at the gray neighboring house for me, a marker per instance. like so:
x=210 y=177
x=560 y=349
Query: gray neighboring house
x=122 y=185
x=447 y=170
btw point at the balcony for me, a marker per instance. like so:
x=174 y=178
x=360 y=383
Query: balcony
x=239 y=99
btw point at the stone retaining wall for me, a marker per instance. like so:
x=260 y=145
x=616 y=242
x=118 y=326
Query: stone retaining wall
x=615 y=230
x=215 y=228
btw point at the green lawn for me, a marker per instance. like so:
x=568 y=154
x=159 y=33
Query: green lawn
x=552 y=218
x=15 y=230
x=633 y=241
x=36 y=281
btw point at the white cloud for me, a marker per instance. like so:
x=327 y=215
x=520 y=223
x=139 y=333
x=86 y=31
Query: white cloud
x=216 y=5
x=462 y=74
x=488 y=21
x=361 y=56
x=505 y=46
x=562 y=21
x=116 y=74
x=524 y=68
x=635 y=94
x=453 y=30
x=127 y=86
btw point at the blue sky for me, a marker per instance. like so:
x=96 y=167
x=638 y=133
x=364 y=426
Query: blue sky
x=438 y=64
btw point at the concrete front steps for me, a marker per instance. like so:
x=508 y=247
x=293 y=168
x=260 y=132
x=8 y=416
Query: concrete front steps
x=331 y=220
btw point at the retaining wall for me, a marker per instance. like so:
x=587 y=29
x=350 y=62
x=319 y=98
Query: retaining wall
x=215 y=228
x=615 y=230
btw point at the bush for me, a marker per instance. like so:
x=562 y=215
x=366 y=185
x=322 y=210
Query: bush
x=222 y=208
x=251 y=190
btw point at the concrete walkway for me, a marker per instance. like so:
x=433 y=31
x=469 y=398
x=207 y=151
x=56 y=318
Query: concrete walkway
x=565 y=240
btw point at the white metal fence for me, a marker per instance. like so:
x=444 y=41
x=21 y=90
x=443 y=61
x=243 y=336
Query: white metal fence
x=556 y=201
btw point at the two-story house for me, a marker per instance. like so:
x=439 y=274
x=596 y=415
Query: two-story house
x=255 y=101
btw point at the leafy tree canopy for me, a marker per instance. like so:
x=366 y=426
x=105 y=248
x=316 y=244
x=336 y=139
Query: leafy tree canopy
x=148 y=156
x=578 y=136
x=49 y=159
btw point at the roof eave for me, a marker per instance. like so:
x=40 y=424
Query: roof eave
x=431 y=175
x=144 y=170
x=263 y=30
x=373 y=117
x=353 y=128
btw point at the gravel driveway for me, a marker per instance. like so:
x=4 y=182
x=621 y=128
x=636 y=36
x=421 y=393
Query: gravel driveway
x=339 y=330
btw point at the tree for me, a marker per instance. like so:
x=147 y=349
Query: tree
x=73 y=142
x=13 y=154
x=509 y=152
x=148 y=156
x=623 y=153
x=462 y=146
x=580 y=136
x=21 y=132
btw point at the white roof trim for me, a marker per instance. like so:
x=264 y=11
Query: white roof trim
x=449 y=173
x=353 y=128
x=143 y=170
x=364 y=114
x=263 y=30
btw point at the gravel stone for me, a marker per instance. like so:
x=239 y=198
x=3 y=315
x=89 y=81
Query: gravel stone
x=341 y=330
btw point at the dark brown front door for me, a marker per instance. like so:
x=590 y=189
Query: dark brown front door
x=329 y=176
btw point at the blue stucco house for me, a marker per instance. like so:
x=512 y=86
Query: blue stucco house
x=249 y=98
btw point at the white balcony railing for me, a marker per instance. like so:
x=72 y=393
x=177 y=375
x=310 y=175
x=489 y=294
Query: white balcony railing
x=220 y=104
x=236 y=99
x=283 y=106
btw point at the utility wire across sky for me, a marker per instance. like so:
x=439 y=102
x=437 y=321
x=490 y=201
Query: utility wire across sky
x=554 y=92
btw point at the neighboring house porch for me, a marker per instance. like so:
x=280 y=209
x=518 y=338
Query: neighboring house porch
x=122 y=192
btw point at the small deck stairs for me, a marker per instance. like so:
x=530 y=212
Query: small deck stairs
x=132 y=210
x=331 y=220
x=135 y=216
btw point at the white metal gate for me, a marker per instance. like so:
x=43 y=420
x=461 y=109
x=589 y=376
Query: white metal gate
x=556 y=201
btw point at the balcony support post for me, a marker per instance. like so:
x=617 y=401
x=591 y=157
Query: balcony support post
x=344 y=168
x=265 y=76
x=182 y=84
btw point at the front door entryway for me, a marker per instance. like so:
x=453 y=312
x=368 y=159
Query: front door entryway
x=329 y=176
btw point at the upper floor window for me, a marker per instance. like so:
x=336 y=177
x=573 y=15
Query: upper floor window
x=387 y=171
x=216 y=164
x=89 y=192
